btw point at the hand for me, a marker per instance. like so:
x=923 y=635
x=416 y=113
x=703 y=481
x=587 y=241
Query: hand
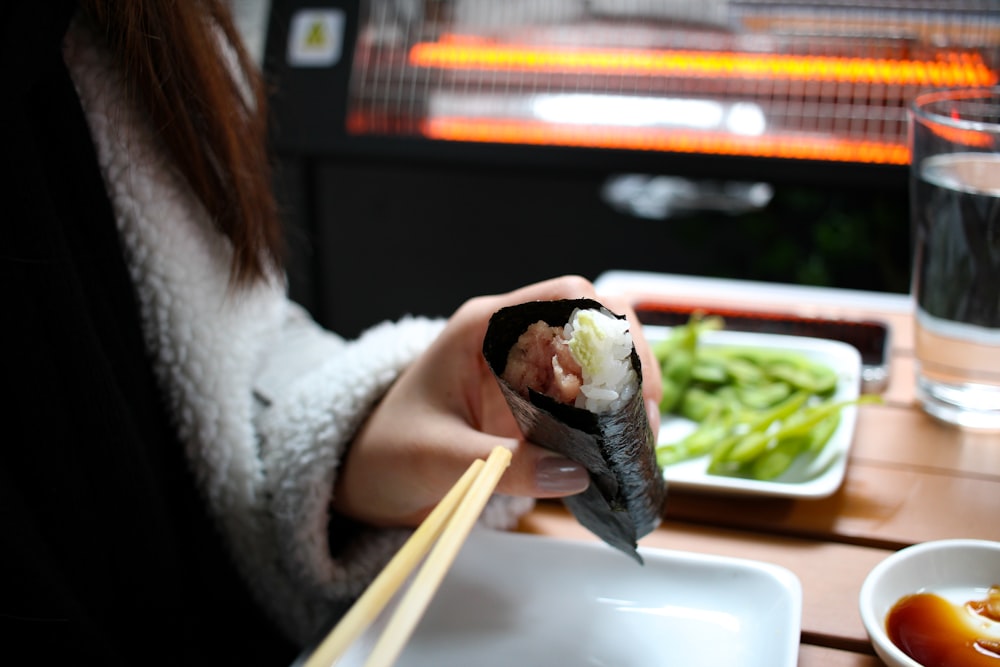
x=446 y=410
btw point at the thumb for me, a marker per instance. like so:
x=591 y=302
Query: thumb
x=535 y=471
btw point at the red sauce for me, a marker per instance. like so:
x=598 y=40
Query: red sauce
x=939 y=633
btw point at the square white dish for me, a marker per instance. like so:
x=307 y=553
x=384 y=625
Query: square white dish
x=807 y=478
x=528 y=600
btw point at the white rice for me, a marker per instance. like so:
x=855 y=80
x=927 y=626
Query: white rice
x=602 y=345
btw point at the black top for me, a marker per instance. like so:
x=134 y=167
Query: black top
x=107 y=554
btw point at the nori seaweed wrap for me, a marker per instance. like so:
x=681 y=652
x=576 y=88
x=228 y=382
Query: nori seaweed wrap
x=616 y=445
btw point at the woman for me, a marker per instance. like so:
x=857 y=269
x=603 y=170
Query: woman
x=193 y=471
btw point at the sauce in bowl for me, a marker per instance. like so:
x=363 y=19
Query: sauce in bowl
x=937 y=631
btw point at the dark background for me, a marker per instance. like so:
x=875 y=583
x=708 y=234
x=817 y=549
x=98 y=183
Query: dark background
x=385 y=227
x=378 y=239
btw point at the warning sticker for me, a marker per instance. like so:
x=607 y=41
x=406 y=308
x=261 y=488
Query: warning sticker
x=315 y=37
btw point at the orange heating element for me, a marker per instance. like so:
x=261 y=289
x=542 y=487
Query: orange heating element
x=455 y=52
x=716 y=143
x=952 y=68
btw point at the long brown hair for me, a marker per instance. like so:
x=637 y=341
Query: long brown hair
x=174 y=61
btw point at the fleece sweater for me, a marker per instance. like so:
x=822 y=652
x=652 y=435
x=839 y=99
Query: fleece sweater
x=264 y=400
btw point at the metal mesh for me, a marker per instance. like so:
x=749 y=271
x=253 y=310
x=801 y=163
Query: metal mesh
x=816 y=80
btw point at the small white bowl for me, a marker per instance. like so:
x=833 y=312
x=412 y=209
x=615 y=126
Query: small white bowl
x=925 y=567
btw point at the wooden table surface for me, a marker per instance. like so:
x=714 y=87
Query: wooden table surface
x=909 y=479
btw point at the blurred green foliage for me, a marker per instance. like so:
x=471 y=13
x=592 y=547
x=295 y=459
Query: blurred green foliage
x=809 y=236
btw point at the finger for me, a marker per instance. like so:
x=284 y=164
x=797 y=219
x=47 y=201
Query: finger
x=469 y=323
x=573 y=286
x=541 y=473
x=562 y=287
x=534 y=471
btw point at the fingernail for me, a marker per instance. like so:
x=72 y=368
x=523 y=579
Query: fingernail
x=556 y=474
x=653 y=412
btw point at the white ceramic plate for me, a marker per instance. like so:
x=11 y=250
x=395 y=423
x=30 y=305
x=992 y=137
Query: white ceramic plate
x=807 y=478
x=525 y=600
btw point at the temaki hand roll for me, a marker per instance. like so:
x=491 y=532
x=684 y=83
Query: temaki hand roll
x=573 y=380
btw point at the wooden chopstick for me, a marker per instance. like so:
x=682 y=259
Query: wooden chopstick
x=367 y=607
x=451 y=521
x=427 y=580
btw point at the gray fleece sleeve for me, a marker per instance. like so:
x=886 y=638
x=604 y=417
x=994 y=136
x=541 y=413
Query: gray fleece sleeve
x=314 y=391
x=264 y=400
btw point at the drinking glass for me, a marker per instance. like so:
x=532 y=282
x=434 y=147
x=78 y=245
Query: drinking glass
x=955 y=211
